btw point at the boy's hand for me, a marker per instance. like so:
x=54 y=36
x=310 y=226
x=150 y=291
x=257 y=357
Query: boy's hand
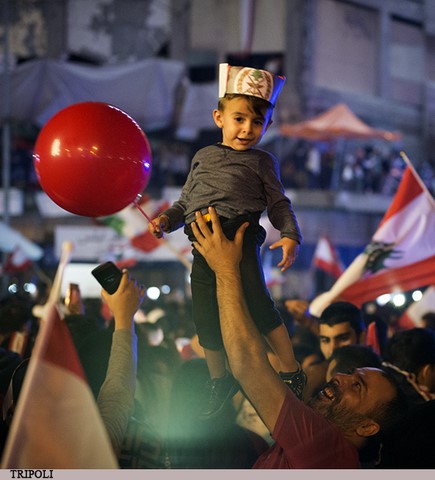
x=290 y=250
x=159 y=225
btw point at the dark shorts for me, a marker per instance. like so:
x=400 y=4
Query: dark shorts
x=205 y=312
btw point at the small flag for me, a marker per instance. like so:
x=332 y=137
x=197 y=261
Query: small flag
x=326 y=257
x=56 y=423
x=131 y=224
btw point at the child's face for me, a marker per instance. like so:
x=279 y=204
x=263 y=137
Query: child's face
x=241 y=127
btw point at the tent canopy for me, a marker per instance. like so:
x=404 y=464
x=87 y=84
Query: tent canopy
x=337 y=122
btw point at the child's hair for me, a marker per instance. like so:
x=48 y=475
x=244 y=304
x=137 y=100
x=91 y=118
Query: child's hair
x=259 y=105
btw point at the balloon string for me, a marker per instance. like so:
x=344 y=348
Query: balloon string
x=142 y=211
x=180 y=256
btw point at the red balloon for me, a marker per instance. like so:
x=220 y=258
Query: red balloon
x=92 y=159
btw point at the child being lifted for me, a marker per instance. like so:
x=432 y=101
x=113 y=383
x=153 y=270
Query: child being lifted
x=240 y=181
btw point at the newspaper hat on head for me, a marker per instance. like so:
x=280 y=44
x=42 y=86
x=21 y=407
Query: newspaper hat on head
x=249 y=81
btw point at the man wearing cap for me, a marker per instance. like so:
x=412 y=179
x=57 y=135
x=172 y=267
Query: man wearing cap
x=241 y=182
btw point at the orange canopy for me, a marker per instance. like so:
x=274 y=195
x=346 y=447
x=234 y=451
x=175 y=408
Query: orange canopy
x=339 y=121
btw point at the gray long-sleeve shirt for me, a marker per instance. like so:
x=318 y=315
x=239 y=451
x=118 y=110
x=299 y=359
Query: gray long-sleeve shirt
x=116 y=397
x=235 y=183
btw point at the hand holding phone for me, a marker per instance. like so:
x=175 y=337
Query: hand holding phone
x=108 y=275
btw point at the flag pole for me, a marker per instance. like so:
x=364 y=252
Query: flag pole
x=417 y=177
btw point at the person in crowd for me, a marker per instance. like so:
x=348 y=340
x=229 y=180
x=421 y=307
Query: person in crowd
x=328 y=431
x=241 y=182
x=428 y=320
x=341 y=323
x=136 y=442
x=410 y=356
x=348 y=357
x=116 y=396
x=18 y=327
x=410 y=444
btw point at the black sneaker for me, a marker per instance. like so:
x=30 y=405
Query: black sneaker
x=218 y=392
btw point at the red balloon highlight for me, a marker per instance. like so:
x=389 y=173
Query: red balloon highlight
x=92 y=159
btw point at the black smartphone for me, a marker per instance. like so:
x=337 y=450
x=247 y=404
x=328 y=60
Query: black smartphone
x=108 y=275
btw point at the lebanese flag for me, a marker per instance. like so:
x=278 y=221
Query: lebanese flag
x=411 y=317
x=56 y=423
x=326 y=258
x=132 y=224
x=401 y=255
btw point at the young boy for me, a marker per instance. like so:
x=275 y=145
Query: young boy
x=241 y=182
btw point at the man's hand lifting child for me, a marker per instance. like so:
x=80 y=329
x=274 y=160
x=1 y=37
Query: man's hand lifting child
x=290 y=250
x=159 y=226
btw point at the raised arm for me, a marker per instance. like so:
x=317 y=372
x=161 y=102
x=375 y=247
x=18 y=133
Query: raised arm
x=116 y=396
x=243 y=343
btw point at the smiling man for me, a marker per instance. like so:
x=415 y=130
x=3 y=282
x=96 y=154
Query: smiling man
x=330 y=430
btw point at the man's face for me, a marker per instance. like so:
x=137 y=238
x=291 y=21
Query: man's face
x=336 y=336
x=347 y=399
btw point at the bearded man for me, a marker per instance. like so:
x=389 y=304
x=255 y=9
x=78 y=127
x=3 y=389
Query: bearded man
x=333 y=426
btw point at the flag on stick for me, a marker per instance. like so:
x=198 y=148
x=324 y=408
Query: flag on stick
x=130 y=223
x=326 y=257
x=56 y=423
x=326 y=265
x=401 y=255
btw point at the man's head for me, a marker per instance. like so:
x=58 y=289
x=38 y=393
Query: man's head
x=340 y=324
x=413 y=350
x=348 y=357
x=428 y=320
x=363 y=403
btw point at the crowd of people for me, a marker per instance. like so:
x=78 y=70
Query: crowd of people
x=360 y=403
x=358 y=168
x=244 y=382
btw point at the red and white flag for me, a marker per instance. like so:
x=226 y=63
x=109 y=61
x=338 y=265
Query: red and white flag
x=17 y=261
x=326 y=257
x=401 y=255
x=411 y=317
x=132 y=224
x=56 y=423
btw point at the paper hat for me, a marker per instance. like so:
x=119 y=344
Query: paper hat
x=249 y=81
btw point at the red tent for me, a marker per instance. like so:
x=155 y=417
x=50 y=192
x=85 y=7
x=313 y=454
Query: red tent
x=337 y=122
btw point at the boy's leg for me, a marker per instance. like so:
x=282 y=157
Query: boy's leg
x=216 y=362
x=290 y=371
x=279 y=341
x=221 y=387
